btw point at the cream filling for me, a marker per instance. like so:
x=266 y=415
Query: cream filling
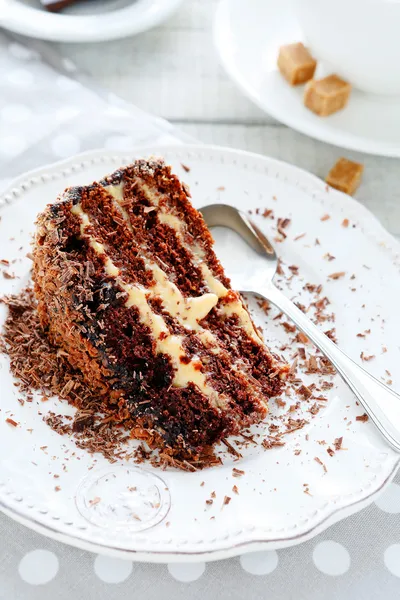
x=115 y=190
x=170 y=220
x=171 y=345
x=233 y=307
x=188 y=311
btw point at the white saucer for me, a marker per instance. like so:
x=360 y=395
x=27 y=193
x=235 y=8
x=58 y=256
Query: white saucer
x=247 y=37
x=272 y=509
x=88 y=21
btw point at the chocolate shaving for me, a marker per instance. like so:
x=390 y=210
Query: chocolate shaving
x=231 y=449
x=95 y=501
x=338 y=443
x=363 y=418
x=281 y=225
x=288 y=327
x=268 y=212
x=304 y=391
x=319 y=461
x=301 y=338
x=272 y=442
x=237 y=472
x=366 y=358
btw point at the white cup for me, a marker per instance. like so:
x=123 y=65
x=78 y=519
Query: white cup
x=360 y=39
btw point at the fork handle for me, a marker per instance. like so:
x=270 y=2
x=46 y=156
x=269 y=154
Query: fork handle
x=380 y=402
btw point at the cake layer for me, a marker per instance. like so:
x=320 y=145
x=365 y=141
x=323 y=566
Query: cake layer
x=129 y=286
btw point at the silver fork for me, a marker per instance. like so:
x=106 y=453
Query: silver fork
x=380 y=402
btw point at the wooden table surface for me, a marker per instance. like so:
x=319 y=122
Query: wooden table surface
x=173 y=71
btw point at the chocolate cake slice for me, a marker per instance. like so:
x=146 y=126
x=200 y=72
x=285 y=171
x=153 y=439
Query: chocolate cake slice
x=129 y=288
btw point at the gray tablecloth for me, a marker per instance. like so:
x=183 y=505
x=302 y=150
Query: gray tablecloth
x=47 y=113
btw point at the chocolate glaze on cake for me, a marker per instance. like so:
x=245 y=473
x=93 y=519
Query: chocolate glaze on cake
x=129 y=287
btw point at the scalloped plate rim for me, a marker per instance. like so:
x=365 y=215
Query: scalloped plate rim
x=221 y=553
x=230 y=549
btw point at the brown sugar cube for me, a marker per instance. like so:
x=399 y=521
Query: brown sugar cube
x=345 y=176
x=326 y=96
x=296 y=63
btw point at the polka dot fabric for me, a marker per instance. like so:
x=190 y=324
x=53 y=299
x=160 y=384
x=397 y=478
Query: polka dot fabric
x=112 y=570
x=356 y=558
x=331 y=558
x=38 y=567
x=54 y=116
x=260 y=563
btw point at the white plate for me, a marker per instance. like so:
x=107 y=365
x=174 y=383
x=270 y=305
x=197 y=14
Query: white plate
x=87 y=21
x=248 y=36
x=271 y=510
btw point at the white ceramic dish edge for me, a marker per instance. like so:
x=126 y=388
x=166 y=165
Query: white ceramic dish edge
x=255 y=542
x=252 y=545
x=134 y=19
x=347 y=141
